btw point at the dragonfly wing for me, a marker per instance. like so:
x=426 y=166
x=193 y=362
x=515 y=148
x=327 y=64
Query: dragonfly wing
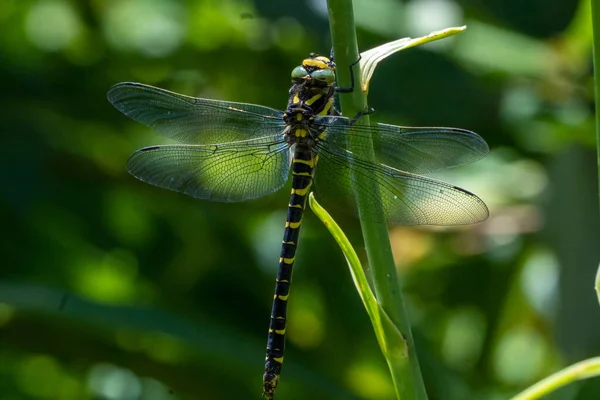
x=227 y=172
x=392 y=195
x=410 y=149
x=194 y=120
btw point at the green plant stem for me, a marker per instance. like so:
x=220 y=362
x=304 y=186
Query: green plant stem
x=582 y=370
x=596 y=30
x=405 y=370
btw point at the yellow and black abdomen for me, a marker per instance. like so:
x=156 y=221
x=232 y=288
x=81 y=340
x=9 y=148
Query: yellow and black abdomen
x=302 y=174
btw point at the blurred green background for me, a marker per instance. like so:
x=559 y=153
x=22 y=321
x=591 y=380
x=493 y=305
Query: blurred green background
x=113 y=289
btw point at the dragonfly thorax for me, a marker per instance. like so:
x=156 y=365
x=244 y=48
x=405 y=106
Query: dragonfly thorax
x=311 y=95
x=300 y=114
x=300 y=127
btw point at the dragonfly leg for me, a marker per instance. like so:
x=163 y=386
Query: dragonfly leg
x=369 y=110
x=351 y=88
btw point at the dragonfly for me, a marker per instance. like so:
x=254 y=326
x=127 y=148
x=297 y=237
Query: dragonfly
x=232 y=152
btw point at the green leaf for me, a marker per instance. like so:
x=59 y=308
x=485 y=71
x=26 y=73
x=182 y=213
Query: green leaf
x=370 y=58
x=582 y=370
x=391 y=341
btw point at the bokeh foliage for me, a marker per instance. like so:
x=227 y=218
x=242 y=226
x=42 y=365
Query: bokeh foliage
x=113 y=289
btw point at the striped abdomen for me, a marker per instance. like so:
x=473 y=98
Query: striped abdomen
x=302 y=175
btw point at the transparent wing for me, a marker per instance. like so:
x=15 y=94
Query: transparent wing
x=193 y=120
x=403 y=198
x=409 y=149
x=227 y=172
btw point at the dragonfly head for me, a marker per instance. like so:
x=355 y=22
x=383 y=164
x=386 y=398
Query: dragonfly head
x=317 y=70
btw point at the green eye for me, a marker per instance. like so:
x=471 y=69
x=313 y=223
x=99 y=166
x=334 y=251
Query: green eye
x=299 y=72
x=325 y=75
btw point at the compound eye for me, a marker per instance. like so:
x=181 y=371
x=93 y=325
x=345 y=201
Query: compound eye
x=299 y=73
x=324 y=75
